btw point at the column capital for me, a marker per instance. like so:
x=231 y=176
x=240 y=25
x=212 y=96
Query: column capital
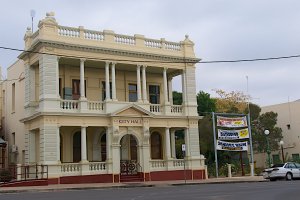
x=113 y=63
x=58 y=58
x=165 y=69
x=85 y=126
x=138 y=66
x=107 y=62
x=82 y=59
x=145 y=66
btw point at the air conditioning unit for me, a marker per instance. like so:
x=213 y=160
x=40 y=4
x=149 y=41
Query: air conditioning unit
x=14 y=148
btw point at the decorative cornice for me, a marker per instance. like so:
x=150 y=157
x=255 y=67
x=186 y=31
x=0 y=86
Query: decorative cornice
x=110 y=51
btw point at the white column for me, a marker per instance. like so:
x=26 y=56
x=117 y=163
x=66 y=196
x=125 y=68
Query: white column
x=170 y=90
x=82 y=88
x=113 y=81
x=107 y=88
x=138 y=82
x=165 y=86
x=187 y=142
x=58 y=144
x=108 y=143
x=183 y=80
x=57 y=77
x=173 y=144
x=167 y=143
x=83 y=144
x=145 y=98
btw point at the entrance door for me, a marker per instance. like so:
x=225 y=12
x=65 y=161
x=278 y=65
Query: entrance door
x=128 y=155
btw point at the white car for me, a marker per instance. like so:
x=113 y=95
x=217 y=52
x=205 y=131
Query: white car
x=287 y=171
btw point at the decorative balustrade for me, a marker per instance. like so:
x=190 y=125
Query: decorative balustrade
x=173 y=46
x=69 y=104
x=97 y=166
x=118 y=38
x=93 y=35
x=70 y=167
x=153 y=43
x=68 y=31
x=158 y=163
x=176 y=109
x=124 y=39
x=155 y=108
x=95 y=105
x=178 y=163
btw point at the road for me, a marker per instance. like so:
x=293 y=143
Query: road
x=280 y=190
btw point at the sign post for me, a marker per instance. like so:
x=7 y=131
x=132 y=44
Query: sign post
x=184 y=171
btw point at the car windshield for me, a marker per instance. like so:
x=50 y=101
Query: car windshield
x=277 y=165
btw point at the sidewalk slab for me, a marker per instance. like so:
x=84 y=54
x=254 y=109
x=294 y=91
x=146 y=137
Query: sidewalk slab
x=62 y=187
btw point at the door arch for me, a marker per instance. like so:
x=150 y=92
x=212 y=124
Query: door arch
x=128 y=154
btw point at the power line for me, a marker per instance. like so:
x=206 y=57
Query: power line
x=145 y=61
x=251 y=60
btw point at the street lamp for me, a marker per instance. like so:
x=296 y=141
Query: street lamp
x=281 y=145
x=267 y=132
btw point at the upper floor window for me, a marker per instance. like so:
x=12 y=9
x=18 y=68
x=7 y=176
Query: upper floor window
x=76 y=88
x=13 y=97
x=154 y=94
x=104 y=90
x=132 y=95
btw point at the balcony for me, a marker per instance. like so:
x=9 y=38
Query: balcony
x=100 y=107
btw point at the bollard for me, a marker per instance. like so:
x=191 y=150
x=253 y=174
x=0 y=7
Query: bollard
x=229 y=170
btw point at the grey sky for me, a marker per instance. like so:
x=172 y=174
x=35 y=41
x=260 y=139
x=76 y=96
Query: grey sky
x=221 y=30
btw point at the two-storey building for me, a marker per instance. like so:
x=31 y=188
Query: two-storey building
x=98 y=106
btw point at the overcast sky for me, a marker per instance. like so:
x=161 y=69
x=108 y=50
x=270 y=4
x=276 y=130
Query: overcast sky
x=221 y=30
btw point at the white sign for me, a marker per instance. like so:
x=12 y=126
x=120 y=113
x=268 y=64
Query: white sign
x=233 y=134
x=183 y=147
x=231 y=122
x=232 y=146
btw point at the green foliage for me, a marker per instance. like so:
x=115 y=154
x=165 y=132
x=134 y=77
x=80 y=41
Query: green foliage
x=206 y=104
x=178 y=146
x=177 y=98
x=5 y=176
x=254 y=111
x=266 y=121
x=258 y=171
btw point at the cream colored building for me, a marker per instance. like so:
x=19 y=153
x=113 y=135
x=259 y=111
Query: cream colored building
x=97 y=106
x=288 y=120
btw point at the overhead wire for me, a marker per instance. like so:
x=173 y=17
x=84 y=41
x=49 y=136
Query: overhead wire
x=156 y=61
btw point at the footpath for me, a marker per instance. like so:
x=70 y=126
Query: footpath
x=62 y=187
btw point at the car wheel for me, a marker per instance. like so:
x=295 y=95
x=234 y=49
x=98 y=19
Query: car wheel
x=288 y=177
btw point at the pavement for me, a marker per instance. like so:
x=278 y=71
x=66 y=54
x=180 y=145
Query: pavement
x=63 y=187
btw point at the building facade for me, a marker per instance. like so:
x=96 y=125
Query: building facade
x=288 y=120
x=97 y=106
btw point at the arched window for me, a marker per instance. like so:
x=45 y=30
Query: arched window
x=77 y=147
x=156 y=146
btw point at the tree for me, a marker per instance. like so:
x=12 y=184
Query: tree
x=177 y=98
x=232 y=102
x=266 y=121
x=206 y=104
x=254 y=111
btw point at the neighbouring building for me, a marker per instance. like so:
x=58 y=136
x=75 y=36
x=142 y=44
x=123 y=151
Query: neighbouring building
x=288 y=120
x=97 y=106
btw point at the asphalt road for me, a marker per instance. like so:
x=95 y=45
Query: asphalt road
x=280 y=190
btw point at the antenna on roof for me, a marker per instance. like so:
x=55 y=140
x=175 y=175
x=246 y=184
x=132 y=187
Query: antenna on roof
x=32 y=14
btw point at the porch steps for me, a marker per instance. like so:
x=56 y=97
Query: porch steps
x=131 y=178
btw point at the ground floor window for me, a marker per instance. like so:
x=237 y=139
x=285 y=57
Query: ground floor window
x=156 y=146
